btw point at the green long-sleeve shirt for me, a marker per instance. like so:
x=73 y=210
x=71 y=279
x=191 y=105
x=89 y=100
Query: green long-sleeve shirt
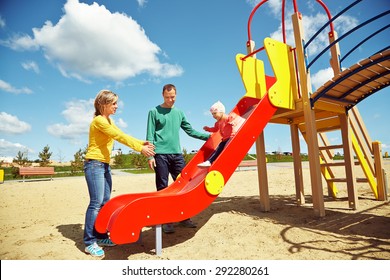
x=163 y=129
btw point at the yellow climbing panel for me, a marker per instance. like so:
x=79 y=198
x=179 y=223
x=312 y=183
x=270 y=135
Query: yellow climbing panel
x=282 y=93
x=252 y=75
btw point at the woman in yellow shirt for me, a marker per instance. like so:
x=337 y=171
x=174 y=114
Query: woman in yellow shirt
x=102 y=133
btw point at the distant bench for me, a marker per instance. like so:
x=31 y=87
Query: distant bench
x=247 y=163
x=36 y=171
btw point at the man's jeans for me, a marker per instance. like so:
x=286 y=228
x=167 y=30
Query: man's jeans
x=167 y=164
x=99 y=181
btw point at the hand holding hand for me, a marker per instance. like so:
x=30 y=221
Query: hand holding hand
x=150 y=145
x=148 y=149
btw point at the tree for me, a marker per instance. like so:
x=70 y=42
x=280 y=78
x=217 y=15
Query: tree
x=77 y=165
x=21 y=159
x=187 y=157
x=60 y=156
x=118 y=159
x=45 y=156
x=279 y=153
x=139 y=161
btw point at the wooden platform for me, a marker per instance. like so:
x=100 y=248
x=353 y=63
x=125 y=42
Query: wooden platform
x=342 y=92
x=357 y=82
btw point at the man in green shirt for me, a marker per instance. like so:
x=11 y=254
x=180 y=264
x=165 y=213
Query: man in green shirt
x=164 y=123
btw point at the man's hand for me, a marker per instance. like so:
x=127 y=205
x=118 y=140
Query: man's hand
x=152 y=163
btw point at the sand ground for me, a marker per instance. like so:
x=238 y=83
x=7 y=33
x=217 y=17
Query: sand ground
x=43 y=220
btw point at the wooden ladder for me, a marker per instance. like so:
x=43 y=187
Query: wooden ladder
x=358 y=150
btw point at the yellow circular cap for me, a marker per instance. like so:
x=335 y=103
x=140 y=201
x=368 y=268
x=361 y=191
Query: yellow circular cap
x=214 y=182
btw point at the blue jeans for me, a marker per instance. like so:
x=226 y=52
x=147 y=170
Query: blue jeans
x=99 y=181
x=167 y=164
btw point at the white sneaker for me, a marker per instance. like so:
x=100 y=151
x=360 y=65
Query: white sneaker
x=204 y=164
x=94 y=250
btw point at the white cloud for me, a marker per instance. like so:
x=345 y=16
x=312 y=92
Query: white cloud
x=12 y=125
x=311 y=23
x=121 y=123
x=78 y=115
x=142 y=3
x=321 y=77
x=253 y=3
x=31 y=65
x=67 y=131
x=20 y=42
x=90 y=41
x=72 y=75
x=345 y=23
x=9 y=149
x=9 y=88
x=275 y=6
x=2 y=22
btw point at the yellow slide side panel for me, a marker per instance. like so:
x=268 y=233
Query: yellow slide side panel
x=364 y=164
x=253 y=76
x=331 y=185
x=281 y=94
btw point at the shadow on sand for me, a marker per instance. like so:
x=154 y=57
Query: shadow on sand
x=351 y=225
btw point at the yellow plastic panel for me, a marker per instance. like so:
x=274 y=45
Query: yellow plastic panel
x=364 y=164
x=282 y=62
x=253 y=76
x=214 y=182
x=331 y=185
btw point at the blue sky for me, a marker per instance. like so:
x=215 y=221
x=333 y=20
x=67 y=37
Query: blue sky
x=56 y=55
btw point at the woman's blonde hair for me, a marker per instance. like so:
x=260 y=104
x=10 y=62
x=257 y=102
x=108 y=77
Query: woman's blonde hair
x=103 y=98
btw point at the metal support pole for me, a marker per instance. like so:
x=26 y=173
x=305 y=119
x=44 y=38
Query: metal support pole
x=158 y=240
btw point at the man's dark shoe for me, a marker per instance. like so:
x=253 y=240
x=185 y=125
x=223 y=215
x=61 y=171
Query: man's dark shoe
x=168 y=228
x=188 y=223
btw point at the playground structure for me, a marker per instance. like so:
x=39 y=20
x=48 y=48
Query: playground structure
x=286 y=99
x=332 y=107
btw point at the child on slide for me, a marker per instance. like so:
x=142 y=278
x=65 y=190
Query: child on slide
x=227 y=125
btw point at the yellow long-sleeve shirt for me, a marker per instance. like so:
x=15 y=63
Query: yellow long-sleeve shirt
x=102 y=134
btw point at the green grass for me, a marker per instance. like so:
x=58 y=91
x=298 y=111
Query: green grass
x=139 y=171
x=127 y=166
x=10 y=173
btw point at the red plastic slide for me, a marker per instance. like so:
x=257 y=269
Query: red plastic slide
x=124 y=216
